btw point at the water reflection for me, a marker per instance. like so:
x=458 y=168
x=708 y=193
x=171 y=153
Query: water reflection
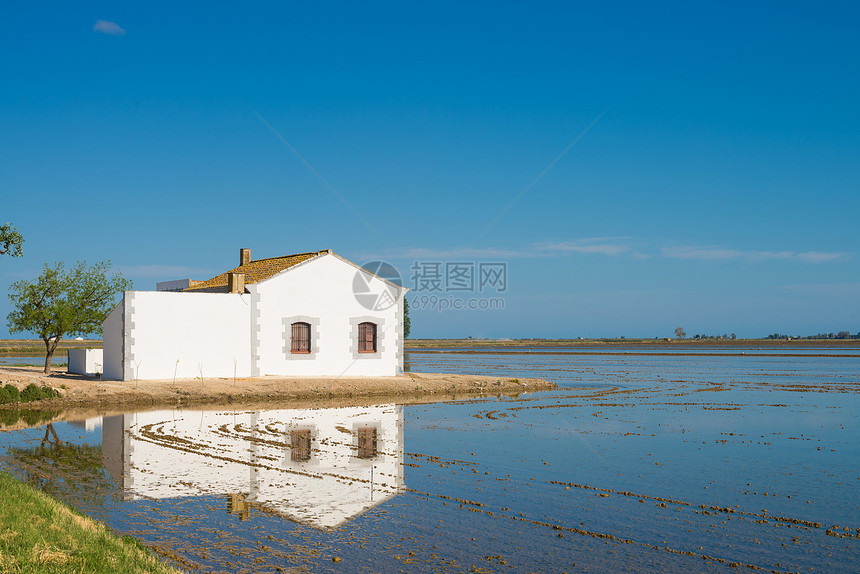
x=62 y=468
x=669 y=464
x=317 y=467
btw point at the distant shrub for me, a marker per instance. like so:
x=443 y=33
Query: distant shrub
x=33 y=392
x=9 y=394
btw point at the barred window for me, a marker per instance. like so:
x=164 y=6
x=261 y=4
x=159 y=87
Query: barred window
x=367 y=337
x=366 y=442
x=300 y=445
x=301 y=338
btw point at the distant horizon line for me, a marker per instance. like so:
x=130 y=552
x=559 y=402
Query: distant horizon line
x=696 y=338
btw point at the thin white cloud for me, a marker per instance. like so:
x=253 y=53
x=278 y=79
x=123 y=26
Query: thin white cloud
x=593 y=245
x=109 y=28
x=607 y=246
x=700 y=253
x=720 y=253
x=824 y=289
x=820 y=256
x=598 y=245
x=429 y=254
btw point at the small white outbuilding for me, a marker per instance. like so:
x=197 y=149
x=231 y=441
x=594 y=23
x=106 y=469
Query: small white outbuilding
x=307 y=314
x=85 y=362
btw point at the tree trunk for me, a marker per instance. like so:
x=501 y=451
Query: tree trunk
x=50 y=347
x=50 y=429
x=48 y=356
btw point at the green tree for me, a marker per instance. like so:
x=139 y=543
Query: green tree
x=10 y=240
x=407 y=323
x=60 y=302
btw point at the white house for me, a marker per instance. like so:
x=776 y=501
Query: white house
x=320 y=467
x=308 y=314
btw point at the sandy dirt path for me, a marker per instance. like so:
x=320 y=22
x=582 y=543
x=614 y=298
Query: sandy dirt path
x=79 y=391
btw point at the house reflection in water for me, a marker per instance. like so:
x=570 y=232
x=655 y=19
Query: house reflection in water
x=320 y=467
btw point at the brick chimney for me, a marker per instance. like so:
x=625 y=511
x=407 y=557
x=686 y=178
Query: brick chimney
x=236 y=282
x=244 y=256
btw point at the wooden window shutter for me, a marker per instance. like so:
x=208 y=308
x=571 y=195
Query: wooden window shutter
x=300 y=336
x=366 y=442
x=300 y=445
x=367 y=337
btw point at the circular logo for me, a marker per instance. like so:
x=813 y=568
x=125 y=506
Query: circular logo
x=370 y=292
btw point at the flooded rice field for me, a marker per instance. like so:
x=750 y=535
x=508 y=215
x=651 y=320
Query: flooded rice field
x=637 y=463
x=653 y=349
x=56 y=361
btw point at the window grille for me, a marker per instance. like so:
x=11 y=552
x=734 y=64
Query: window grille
x=301 y=338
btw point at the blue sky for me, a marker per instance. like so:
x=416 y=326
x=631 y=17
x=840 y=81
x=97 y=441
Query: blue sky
x=637 y=166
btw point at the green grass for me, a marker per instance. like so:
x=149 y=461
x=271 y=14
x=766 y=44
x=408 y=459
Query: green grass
x=39 y=534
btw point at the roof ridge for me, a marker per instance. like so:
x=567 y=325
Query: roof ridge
x=257 y=270
x=290 y=255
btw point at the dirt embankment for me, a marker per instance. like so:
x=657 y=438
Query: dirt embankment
x=80 y=391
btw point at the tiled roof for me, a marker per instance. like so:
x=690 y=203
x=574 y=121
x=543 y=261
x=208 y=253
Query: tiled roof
x=255 y=271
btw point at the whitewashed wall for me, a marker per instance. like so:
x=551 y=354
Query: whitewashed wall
x=183 y=333
x=112 y=347
x=85 y=361
x=320 y=291
x=161 y=335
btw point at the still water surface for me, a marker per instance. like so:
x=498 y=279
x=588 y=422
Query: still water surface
x=662 y=464
x=57 y=360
